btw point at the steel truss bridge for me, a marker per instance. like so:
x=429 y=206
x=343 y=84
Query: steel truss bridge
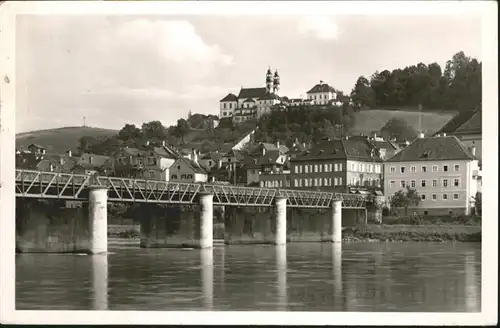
x=67 y=186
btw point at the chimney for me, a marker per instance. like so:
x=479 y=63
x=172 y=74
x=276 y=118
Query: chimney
x=69 y=153
x=321 y=82
x=219 y=163
x=473 y=150
x=163 y=143
x=421 y=135
x=194 y=156
x=90 y=159
x=304 y=144
x=444 y=134
x=278 y=144
x=61 y=160
x=147 y=143
x=346 y=137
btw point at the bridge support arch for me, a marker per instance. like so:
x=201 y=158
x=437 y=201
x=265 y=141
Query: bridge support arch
x=98 y=220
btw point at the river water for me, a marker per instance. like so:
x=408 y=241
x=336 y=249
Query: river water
x=297 y=277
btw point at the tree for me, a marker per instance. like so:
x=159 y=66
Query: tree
x=477 y=200
x=154 y=131
x=363 y=95
x=404 y=198
x=129 y=132
x=86 y=143
x=399 y=129
x=181 y=129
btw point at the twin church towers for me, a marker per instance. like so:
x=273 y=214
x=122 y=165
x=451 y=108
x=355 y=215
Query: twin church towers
x=272 y=81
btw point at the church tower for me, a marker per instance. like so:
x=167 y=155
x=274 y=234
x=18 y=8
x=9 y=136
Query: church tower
x=269 y=80
x=276 y=87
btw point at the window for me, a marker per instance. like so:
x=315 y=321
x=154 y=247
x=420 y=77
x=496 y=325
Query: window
x=434 y=197
x=456 y=167
x=445 y=183
x=445 y=196
x=315 y=182
x=315 y=167
x=424 y=169
x=434 y=183
x=320 y=168
x=326 y=167
x=319 y=182
x=393 y=169
x=391 y=184
x=295 y=183
x=174 y=177
x=353 y=167
x=402 y=169
x=370 y=168
x=310 y=182
x=340 y=167
x=422 y=197
x=306 y=184
x=455 y=196
x=340 y=181
x=412 y=183
x=306 y=169
x=362 y=167
x=336 y=167
x=445 y=168
x=403 y=184
x=456 y=182
x=422 y=183
x=178 y=167
x=296 y=169
x=183 y=176
x=325 y=182
x=300 y=168
x=413 y=169
x=434 y=168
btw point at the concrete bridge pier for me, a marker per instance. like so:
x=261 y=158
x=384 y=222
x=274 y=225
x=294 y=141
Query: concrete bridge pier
x=336 y=221
x=98 y=220
x=206 y=220
x=280 y=222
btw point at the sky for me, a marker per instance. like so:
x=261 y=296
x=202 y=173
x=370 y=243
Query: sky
x=115 y=70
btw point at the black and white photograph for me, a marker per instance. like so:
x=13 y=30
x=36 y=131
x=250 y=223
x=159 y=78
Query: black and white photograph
x=243 y=162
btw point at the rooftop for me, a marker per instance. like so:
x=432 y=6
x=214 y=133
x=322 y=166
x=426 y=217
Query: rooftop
x=321 y=87
x=433 y=149
x=463 y=122
x=252 y=93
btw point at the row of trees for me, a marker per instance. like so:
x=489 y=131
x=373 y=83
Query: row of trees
x=457 y=87
x=305 y=123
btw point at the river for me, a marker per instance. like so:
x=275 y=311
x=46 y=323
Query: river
x=298 y=277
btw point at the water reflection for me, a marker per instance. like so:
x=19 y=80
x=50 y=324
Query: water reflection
x=295 y=277
x=337 y=274
x=99 y=282
x=472 y=295
x=207 y=277
x=281 y=268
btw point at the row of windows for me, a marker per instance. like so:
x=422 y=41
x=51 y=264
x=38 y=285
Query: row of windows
x=365 y=168
x=317 y=182
x=183 y=177
x=355 y=181
x=423 y=168
x=423 y=183
x=321 y=96
x=318 y=168
x=434 y=197
x=230 y=105
x=275 y=184
x=138 y=160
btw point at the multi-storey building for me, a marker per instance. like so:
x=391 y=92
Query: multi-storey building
x=442 y=171
x=322 y=94
x=252 y=102
x=338 y=165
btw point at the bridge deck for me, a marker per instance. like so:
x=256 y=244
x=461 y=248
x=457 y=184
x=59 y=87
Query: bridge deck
x=47 y=185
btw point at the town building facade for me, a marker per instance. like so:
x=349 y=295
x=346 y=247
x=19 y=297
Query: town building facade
x=442 y=171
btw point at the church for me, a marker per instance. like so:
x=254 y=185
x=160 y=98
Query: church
x=252 y=102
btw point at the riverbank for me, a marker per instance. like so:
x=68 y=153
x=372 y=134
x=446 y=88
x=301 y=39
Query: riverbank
x=412 y=233
x=368 y=233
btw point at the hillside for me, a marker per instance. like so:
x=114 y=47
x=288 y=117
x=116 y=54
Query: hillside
x=367 y=121
x=61 y=139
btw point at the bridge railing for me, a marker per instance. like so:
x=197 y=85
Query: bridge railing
x=73 y=186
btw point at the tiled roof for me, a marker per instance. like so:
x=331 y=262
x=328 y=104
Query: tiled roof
x=459 y=120
x=433 y=149
x=36 y=146
x=249 y=100
x=97 y=160
x=68 y=163
x=268 y=96
x=230 y=97
x=193 y=166
x=214 y=156
x=352 y=149
x=322 y=87
x=270 y=157
x=473 y=125
x=252 y=93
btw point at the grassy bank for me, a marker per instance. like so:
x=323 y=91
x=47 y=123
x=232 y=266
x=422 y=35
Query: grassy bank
x=414 y=233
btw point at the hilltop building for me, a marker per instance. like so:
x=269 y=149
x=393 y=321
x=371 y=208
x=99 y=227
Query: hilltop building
x=442 y=170
x=323 y=94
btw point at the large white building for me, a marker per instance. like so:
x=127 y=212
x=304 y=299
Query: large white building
x=442 y=170
x=252 y=102
x=322 y=94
